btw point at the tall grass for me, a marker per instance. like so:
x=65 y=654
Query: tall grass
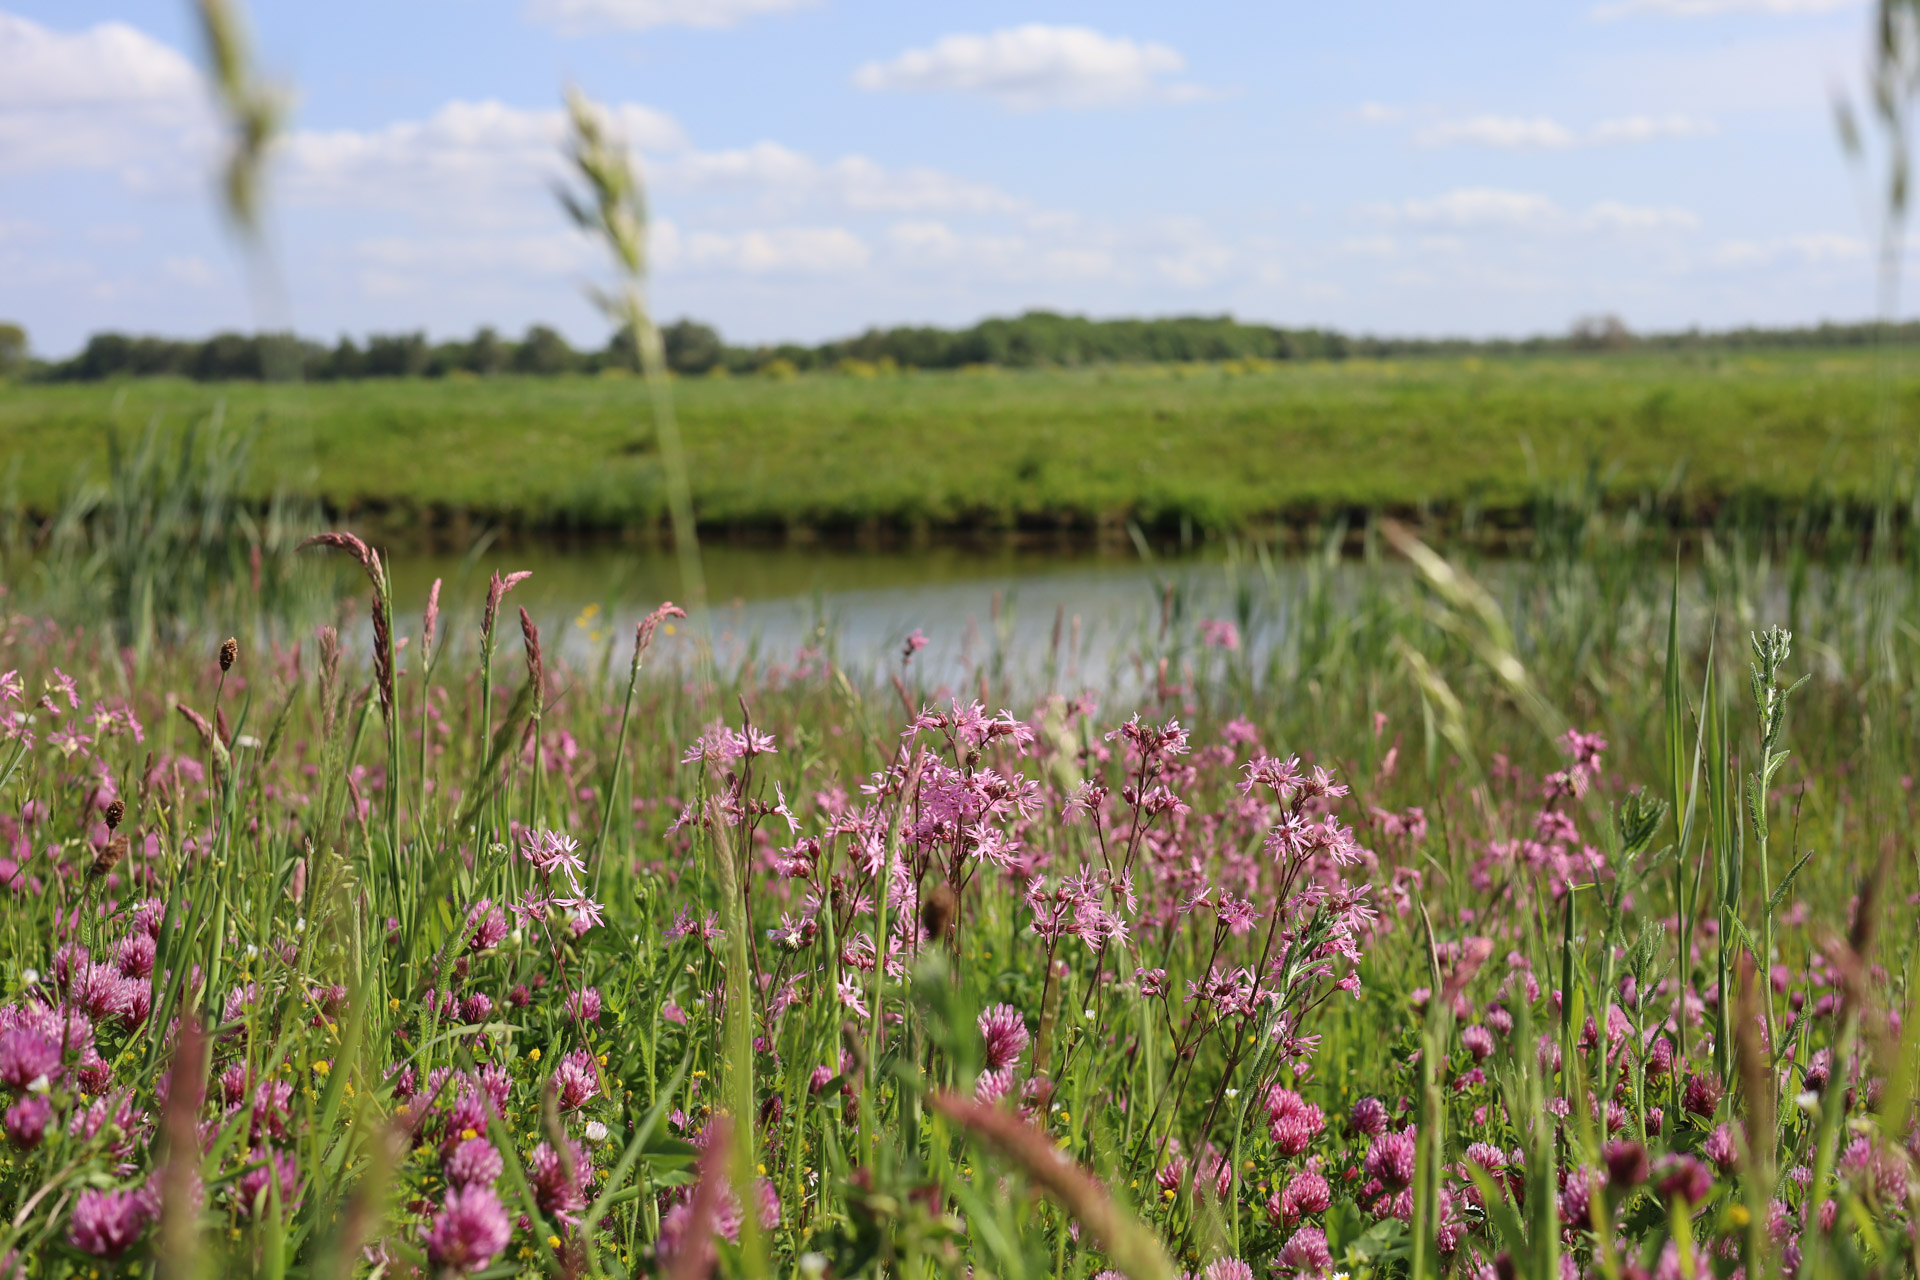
x=322 y=864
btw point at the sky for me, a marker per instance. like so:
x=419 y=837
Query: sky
x=815 y=167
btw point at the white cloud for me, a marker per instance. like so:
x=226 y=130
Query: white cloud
x=1191 y=256
x=1495 y=209
x=189 y=269
x=463 y=153
x=577 y=16
x=1612 y=215
x=555 y=254
x=1034 y=66
x=1813 y=249
x=109 y=97
x=1544 y=133
x=852 y=182
x=803 y=250
x=1472 y=208
x=1377 y=113
x=1499 y=131
x=1718 y=8
x=1648 y=128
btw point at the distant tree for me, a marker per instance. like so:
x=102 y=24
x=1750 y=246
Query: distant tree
x=13 y=350
x=487 y=354
x=397 y=355
x=1600 y=333
x=692 y=347
x=347 y=360
x=544 y=351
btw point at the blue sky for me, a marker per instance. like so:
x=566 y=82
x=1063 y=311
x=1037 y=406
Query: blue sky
x=816 y=167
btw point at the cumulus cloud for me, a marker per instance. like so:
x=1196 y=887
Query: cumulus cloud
x=802 y=250
x=1469 y=209
x=852 y=182
x=1717 y=8
x=1612 y=215
x=1648 y=128
x=1036 y=66
x=577 y=16
x=1378 y=113
x=1547 y=134
x=462 y=153
x=109 y=97
x=1478 y=207
x=1823 y=248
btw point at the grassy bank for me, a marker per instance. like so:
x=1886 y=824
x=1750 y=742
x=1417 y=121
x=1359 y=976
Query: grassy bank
x=1223 y=447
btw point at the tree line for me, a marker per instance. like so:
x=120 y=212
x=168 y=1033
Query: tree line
x=1035 y=339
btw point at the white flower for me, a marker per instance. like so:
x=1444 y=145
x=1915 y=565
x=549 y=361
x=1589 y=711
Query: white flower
x=30 y=976
x=596 y=1132
x=39 y=1084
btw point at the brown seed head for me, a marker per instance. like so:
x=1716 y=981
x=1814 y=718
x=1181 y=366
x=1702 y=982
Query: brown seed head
x=108 y=858
x=229 y=651
x=939 y=910
x=116 y=810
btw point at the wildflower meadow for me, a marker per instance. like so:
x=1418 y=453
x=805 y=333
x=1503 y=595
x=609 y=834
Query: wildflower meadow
x=1393 y=912
x=1560 y=931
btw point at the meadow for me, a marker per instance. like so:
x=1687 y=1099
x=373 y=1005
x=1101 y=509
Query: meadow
x=1548 y=918
x=1231 y=447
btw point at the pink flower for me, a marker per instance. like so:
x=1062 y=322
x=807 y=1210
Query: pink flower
x=106 y=1223
x=1292 y=1121
x=1368 y=1117
x=276 y=1168
x=1219 y=634
x=27 y=1054
x=1479 y=1042
x=473 y=1162
x=1306 y=1253
x=1228 y=1269
x=1684 y=1178
x=551 y=851
x=26 y=1120
x=1005 y=1032
x=1721 y=1149
x=556 y=1192
x=1390 y=1159
x=574 y=1080
x=991 y=1086
x=584 y=1004
x=1307 y=1193
x=1700 y=1096
x=486 y=926
x=470 y=1230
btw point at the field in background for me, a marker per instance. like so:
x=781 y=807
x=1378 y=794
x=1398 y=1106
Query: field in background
x=1219 y=446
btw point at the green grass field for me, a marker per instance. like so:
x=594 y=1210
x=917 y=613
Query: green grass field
x=1226 y=448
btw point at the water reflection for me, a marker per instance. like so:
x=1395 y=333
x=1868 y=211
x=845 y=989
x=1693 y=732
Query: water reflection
x=1029 y=619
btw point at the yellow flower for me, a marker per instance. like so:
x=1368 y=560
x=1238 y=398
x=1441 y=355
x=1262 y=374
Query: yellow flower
x=1739 y=1216
x=322 y=1067
x=553 y=1242
x=469 y=1134
x=533 y=1054
x=393 y=1004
